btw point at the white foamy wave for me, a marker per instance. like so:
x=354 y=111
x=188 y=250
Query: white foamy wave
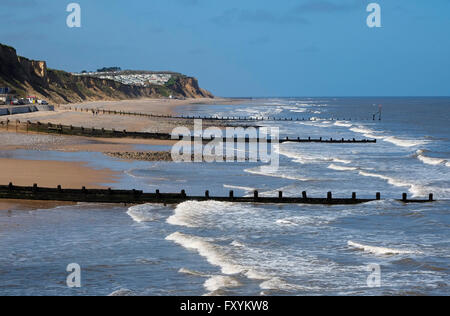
x=286 y=222
x=390 y=180
x=214 y=254
x=417 y=190
x=404 y=142
x=309 y=159
x=191 y=213
x=379 y=250
x=237 y=244
x=146 y=213
x=268 y=172
x=219 y=282
x=369 y=133
x=341 y=168
x=248 y=189
x=430 y=160
x=342 y=124
x=307 y=220
x=341 y=161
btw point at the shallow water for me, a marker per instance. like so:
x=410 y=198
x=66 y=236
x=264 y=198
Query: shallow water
x=227 y=248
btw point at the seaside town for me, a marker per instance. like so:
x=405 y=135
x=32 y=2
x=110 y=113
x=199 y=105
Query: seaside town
x=134 y=78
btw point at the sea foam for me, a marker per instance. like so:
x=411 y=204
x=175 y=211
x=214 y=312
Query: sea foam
x=379 y=250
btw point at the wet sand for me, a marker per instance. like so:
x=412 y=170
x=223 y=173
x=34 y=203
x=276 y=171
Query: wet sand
x=47 y=173
x=23 y=205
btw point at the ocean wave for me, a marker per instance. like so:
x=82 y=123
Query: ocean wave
x=379 y=250
x=219 y=282
x=417 y=190
x=217 y=256
x=404 y=142
x=341 y=168
x=342 y=124
x=308 y=220
x=214 y=254
x=248 y=189
x=309 y=159
x=260 y=171
x=146 y=213
x=401 y=142
x=237 y=244
x=286 y=222
x=431 y=161
x=191 y=213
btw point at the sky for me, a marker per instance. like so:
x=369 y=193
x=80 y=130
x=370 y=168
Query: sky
x=254 y=48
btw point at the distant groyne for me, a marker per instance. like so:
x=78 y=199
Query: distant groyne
x=50 y=128
x=214 y=118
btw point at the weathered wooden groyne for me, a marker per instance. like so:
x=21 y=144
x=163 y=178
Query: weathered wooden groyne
x=60 y=129
x=212 y=118
x=139 y=197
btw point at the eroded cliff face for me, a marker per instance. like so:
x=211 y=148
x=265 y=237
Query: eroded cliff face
x=188 y=87
x=30 y=77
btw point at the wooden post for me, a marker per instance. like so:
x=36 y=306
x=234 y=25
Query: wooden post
x=431 y=197
x=405 y=197
x=207 y=194
x=59 y=188
x=256 y=194
x=354 y=196
x=280 y=195
x=231 y=194
x=329 y=196
x=183 y=193
x=35 y=187
x=378 y=196
x=304 y=195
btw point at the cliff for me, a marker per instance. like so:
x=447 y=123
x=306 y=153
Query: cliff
x=30 y=77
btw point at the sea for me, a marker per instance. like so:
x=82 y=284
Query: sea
x=382 y=247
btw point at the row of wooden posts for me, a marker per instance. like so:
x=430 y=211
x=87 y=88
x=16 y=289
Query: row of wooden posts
x=50 y=128
x=209 y=118
x=139 y=197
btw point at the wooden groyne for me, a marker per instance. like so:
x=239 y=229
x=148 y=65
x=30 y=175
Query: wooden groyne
x=50 y=128
x=212 y=118
x=139 y=197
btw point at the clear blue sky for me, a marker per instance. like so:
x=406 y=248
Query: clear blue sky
x=247 y=47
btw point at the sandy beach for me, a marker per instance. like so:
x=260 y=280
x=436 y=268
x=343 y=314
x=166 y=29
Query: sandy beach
x=150 y=106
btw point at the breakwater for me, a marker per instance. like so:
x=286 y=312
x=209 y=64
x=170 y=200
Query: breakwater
x=212 y=118
x=139 y=197
x=50 y=128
